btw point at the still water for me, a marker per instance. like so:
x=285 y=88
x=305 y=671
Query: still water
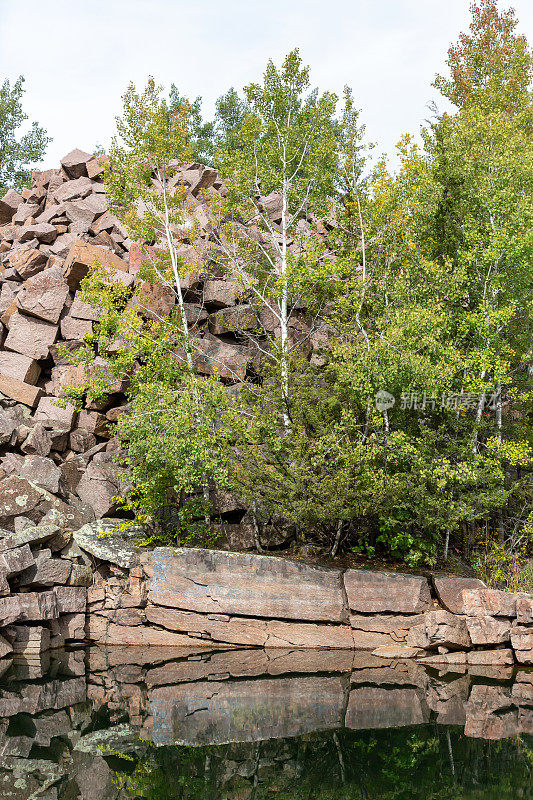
x=117 y=723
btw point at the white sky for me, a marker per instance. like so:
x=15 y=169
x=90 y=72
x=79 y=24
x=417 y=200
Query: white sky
x=78 y=56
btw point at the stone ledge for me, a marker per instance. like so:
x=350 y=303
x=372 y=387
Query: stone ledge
x=198 y=599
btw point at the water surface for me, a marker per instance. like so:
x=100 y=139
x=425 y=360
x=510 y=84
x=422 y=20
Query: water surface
x=117 y=723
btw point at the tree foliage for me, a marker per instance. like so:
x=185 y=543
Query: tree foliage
x=17 y=154
x=428 y=301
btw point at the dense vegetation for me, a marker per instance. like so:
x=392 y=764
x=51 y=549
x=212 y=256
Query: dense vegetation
x=428 y=300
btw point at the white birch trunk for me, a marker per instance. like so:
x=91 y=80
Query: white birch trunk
x=174 y=261
x=284 y=321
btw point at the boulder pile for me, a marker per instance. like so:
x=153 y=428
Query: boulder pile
x=43 y=590
x=58 y=466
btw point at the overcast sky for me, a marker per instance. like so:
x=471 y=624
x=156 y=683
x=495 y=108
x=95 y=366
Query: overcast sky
x=78 y=56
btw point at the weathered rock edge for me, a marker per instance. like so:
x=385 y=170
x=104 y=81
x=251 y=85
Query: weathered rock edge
x=100 y=587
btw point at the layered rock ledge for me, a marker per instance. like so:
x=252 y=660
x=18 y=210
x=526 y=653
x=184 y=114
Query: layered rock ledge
x=97 y=586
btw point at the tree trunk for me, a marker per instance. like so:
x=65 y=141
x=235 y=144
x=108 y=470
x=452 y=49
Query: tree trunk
x=284 y=361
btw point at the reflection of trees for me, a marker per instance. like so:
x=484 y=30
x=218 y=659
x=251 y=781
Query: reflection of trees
x=428 y=763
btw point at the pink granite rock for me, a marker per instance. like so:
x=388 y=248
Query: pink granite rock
x=485 y=630
x=489 y=602
x=20 y=367
x=241 y=583
x=375 y=592
x=30 y=336
x=44 y=295
x=450 y=591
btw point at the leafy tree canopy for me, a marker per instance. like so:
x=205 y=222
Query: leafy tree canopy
x=17 y=154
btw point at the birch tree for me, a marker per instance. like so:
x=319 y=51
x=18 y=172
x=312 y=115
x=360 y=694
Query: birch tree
x=279 y=177
x=149 y=139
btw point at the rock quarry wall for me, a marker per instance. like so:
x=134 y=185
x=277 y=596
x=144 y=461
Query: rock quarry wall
x=56 y=465
x=101 y=588
x=60 y=580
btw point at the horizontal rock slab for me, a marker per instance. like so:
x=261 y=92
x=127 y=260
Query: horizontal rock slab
x=213 y=581
x=34 y=698
x=252 y=632
x=398 y=651
x=250 y=662
x=382 y=630
x=375 y=592
x=99 y=629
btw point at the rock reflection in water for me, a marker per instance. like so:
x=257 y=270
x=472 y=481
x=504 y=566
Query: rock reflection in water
x=111 y=724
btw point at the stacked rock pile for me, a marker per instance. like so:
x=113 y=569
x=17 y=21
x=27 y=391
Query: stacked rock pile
x=95 y=585
x=56 y=465
x=190 y=597
x=43 y=594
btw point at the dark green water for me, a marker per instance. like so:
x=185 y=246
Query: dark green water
x=119 y=723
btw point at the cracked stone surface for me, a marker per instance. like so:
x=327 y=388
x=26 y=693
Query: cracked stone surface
x=242 y=583
x=102 y=540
